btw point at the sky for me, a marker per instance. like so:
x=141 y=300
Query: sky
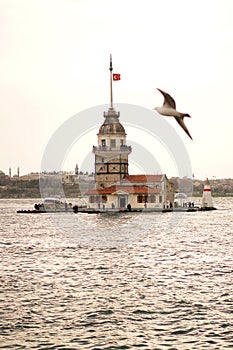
x=54 y=63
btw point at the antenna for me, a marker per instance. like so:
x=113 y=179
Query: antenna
x=111 y=94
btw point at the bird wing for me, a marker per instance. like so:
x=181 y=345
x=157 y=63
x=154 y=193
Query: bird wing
x=180 y=121
x=168 y=100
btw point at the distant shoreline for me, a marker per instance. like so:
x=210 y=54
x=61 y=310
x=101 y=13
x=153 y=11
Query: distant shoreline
x=28 y=186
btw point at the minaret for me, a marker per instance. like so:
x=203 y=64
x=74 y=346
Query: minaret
x=76 y=170
x=111 y=154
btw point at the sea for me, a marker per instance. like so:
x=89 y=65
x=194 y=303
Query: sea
x=116 y=281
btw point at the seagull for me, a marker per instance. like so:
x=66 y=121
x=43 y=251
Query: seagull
x=169 y=109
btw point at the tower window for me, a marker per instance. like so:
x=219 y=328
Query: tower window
x=113 y=143
x=103 y=143
x=121 y=142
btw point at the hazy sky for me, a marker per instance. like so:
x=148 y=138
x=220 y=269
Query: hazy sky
x=54 y=63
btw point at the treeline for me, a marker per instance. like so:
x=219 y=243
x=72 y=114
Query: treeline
x=219 y=187
x=30 y=188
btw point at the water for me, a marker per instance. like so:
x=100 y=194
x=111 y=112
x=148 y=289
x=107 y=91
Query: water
x=161 y=290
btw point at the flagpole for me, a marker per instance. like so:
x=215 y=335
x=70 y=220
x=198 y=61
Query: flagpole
x=111 y=94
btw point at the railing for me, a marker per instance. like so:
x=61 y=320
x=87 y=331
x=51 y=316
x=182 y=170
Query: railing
x=112 y=113
x=122 y=148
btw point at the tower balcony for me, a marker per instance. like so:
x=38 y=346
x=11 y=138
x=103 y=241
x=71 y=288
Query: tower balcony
x=111 y=113
x=104 y=150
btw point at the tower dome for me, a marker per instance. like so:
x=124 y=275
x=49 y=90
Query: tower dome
x=111 y=124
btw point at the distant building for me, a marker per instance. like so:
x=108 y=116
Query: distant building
x=2 y=174
x=69 y=178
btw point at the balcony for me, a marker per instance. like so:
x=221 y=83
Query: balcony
x=111 y=113
x=106 y=149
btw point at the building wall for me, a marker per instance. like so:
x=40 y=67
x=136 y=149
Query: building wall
x=110 y=170
x=169 y=192
x=158 y=202
x=120 y=139
x=113 y=202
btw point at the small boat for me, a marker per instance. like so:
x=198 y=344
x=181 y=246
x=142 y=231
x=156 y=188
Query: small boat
x=54 y=204
x=182 y=203
x=180 y=200
x=50 y=205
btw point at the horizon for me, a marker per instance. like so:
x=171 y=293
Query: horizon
x=88 y=173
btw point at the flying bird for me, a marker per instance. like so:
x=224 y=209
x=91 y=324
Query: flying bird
x=169 y=109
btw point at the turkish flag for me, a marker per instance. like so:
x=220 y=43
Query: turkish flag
x=116 y=77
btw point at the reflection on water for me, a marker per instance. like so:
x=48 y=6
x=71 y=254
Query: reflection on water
x=160 y=289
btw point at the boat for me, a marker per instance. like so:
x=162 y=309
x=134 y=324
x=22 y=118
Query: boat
x=49 y=205
x=181 y=200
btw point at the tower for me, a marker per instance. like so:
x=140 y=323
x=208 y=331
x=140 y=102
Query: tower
x=207 y=201
x=76 y=170
x=111 y=154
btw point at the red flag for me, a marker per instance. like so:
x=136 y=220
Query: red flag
x=116 y=77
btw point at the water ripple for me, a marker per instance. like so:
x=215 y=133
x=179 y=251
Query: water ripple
x=161 y=291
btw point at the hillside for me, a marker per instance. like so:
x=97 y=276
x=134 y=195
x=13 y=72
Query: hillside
x=28 y=186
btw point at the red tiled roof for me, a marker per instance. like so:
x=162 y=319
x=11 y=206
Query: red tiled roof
x=127 y=189
x=107 y=190
x=143 y=178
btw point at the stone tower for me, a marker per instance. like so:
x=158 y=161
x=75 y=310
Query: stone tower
x=111 y=154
